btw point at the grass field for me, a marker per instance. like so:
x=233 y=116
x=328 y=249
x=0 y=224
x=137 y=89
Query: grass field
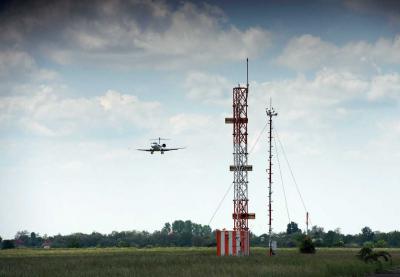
x=181 y=262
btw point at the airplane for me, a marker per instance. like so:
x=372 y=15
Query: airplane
x=158 y=147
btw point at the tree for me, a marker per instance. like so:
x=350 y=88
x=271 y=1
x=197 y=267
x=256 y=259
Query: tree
x=35 y=239
x=166 y=229
x=122 y=243
x=394 y=239
x=178 y=226
x=73 y=242
x=188 y=227
x=333 y=238
x=7 y=244
x=186 y=237
x=206 y=230
x=22 y=238
x=292 y=228
x=366 y=234
x=1 y=240
x=317 y=232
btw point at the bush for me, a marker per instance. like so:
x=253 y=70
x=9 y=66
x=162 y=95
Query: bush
x=7 y=244
x=364 y=252
x=368 y=244
x=368 y=255
x=307 y=246
x=339 y=243
x=381 y=244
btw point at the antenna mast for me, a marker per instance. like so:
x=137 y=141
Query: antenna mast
x=270 y=113
x=307 y=223
x=247 y=71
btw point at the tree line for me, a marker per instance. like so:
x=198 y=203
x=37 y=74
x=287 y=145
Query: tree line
x=332 y=238
x=186 y=233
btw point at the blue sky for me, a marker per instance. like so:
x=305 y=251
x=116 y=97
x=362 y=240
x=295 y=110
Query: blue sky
x=83 y=85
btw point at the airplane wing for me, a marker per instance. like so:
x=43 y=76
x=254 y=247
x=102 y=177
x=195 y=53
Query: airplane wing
x=171 y=149
x=148 y=150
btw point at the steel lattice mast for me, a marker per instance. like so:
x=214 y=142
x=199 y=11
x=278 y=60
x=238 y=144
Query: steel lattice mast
x=270 y=113
x=240 y=167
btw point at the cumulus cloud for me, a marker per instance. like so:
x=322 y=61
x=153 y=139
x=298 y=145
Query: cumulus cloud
x=307 y=52
x=44 y=112
x=302 y=97
x=138 y=33
x=386 y=87
x=208 y=88
x=311 y=109
x=181 y=123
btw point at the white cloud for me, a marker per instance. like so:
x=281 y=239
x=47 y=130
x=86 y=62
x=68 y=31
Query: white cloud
x=113 y=100
x=189 y=123
x=310 y=111
x=309 y=52
x=36 y=128
x=302 y=96
x=208 y=88
x=306 y=52
x=44 y=112
x=386 y=87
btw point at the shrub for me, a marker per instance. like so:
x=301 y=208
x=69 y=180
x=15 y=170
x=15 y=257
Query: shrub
x=368 y=244
x=381 y=244
x=339 y=243
x=368 y=255
x=307 y=246
x=364 y=252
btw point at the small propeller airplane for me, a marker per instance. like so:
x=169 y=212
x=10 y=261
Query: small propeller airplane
x=158 y=147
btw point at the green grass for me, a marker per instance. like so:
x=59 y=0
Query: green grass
x=181 y=262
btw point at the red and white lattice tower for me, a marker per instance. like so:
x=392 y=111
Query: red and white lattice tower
x=240 y=167
x=237 y=242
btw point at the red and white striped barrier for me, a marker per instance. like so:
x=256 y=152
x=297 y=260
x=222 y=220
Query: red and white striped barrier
x=233 y=243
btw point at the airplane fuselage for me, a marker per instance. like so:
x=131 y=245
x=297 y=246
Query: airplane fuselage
x=157 y=147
